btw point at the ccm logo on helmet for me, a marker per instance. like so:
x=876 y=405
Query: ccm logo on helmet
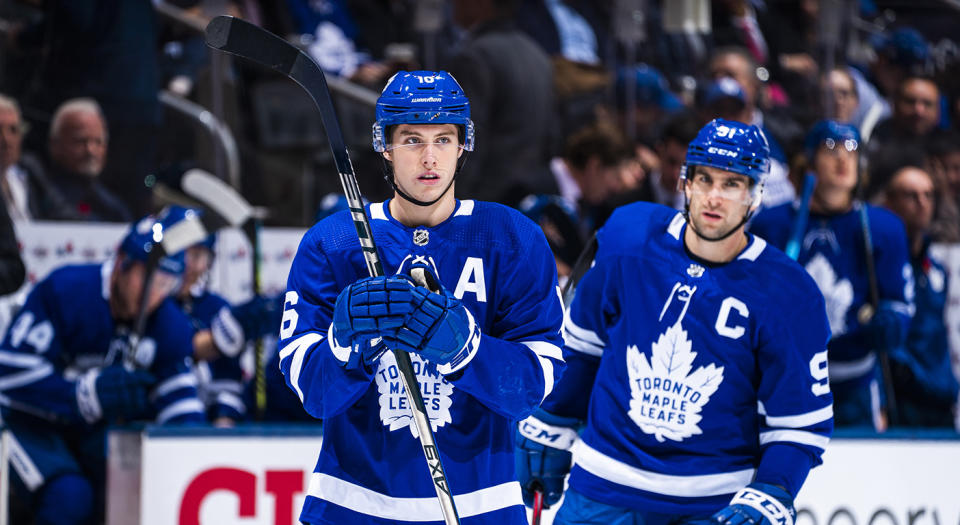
x=720 y=151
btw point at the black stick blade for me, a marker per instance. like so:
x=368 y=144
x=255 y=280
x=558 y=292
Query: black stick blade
x=239 y=37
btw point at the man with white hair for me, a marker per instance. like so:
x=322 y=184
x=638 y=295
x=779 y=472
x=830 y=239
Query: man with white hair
x=78 y=152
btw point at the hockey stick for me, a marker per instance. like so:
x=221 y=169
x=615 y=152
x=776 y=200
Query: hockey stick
x=248 y=41
x=226 y=203
x=177 y=238
x=580 y=267
x=803 y=214
x=866 y=312
x=537 y=504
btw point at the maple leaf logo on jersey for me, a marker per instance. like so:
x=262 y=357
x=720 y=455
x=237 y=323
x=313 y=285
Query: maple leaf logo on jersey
x=837 y=293
x=666 y=399
x=395 y=411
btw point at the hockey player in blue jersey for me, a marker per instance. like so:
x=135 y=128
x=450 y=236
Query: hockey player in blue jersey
x=218 y=340
x=486 y=348
x=696 y=362
x=834 y=252
x=68 y=369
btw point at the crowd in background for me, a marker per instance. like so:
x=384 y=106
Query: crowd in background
x=580 y=106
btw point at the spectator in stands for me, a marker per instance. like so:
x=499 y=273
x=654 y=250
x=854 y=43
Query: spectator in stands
x=671 y=150
x=833 y=249
x=78 y=151
x=926 y=389
x=592 y=169
x=916 y=113
x=843 y=96
x=724 y=98
x=334 y=40
x=106 y=50
x=24 y=186
x=653 y=101
x=509 y=81
x=738 y=64
x=943 y=161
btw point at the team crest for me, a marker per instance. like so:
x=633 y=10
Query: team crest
x=395 y=412
x=421 y=237
x=837 y=292
x=695 y=270
x=666 y=394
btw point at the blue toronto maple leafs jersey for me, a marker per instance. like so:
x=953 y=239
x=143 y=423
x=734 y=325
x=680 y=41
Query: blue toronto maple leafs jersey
x=694 y=378
x=65 y=329
x=832 y=251
x=371 y=467
x=220 y=381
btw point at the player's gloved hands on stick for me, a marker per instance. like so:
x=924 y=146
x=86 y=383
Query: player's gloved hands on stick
x=885 y=330
x=438 y=327
x=113 y=393
x=542 y=455
x=368 y=310
x=758 y=504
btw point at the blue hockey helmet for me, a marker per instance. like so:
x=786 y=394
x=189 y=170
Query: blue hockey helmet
x=422 y=97
x=146 y=233
x=832 y=134
x=731 y=146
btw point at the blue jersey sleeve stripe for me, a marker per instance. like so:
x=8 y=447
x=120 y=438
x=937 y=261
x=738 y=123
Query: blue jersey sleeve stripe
x=25 y=378
x=800 y=420
x=183 y=407
x=227 y=333
x=615 y=471
x=795 y=436
x=174 y=383
x=368 y=502
x=20 y=360
x=298 y=347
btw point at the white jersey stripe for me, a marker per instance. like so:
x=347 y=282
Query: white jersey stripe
x=846 y=370
x=376 y=212
x=465 y=209
x=298 y=347
x=26 y=377
x=621 y=473
x=583 y=334
x=365 y=501
x=801 y=420
x=20 y=360
x=184 y=380
x=795 y=436
x=544 y=351
x=184 y=406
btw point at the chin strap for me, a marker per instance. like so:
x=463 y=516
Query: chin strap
x=388 y=176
